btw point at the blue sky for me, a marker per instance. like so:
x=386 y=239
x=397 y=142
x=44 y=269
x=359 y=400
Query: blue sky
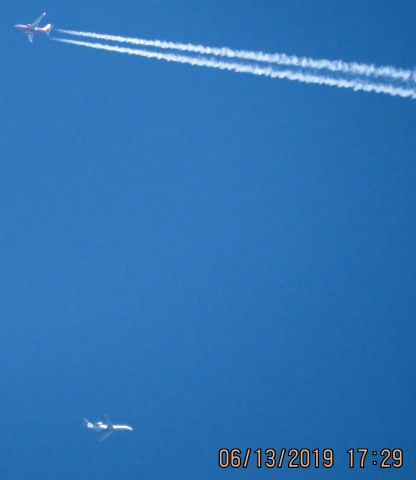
x=218 y=259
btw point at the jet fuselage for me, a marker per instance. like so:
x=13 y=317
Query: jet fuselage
x=30 y=28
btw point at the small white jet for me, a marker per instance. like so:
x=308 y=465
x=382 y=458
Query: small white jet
x=107 y=427
x=31 y=28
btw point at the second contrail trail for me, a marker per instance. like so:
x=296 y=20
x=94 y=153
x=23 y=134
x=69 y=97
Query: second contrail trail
x=260 y=70
x=350 y=68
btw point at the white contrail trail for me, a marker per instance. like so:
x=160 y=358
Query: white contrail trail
x=300 y=75
x=350 y=68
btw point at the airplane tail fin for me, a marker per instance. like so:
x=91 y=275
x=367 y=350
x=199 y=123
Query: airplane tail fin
x=87 y=423
x=48 y=28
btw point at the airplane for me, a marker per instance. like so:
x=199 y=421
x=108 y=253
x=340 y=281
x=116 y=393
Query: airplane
x=31 y=28
x=107 y=427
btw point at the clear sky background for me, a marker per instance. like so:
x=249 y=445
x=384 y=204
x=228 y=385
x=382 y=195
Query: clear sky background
x=217 y=259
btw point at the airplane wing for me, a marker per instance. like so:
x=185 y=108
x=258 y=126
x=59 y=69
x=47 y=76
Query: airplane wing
x=30 y=36
x=109 y=423
x=38 y=20
x=106 y=435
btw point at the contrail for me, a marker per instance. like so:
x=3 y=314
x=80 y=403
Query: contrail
x=352 y=68
x=300 y=75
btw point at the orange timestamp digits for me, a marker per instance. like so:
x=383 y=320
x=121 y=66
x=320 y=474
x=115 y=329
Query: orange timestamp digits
x=309 y=458
x=272 y=458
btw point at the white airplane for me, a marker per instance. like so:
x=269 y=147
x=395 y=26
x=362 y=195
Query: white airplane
x=107 y=427
x=31 y=28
